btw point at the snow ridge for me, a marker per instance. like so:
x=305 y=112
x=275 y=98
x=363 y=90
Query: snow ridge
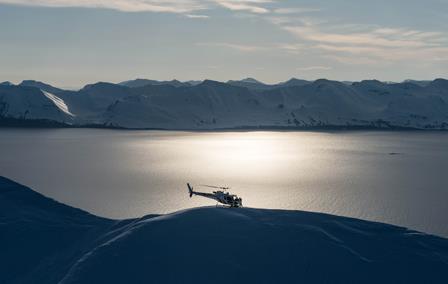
x=43 y=241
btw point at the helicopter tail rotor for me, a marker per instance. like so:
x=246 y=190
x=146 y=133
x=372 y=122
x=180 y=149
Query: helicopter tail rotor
x=190 y=190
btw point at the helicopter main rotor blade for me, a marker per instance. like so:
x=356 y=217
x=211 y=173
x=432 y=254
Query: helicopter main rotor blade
x=214 y=186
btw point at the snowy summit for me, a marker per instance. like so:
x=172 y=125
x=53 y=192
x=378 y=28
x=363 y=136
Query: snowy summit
x=43 y=241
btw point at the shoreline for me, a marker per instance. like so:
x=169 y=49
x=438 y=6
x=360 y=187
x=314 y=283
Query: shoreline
x=49 y=124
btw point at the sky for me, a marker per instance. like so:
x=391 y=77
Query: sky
x=70 y=43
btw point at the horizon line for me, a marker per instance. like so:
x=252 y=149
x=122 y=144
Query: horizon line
x=17 y=83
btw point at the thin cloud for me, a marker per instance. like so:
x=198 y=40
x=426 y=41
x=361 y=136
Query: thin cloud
x=314 y=68
x=367 y=42
x=287 y=11
x=367 y=38
x=193 y=16
x=350 y=60
x=167 y=6
x=292 y=48
x=253 y=6
x=234 y=46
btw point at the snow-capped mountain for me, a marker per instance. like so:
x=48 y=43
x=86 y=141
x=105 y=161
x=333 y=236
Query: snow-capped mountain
x=145 y=82
x=41 y=85
x=250 y=83
x=89 y=103
x=44 y=241
x=293 y=82
x=422 y=83
x=25 y=103
x=235 y=104
x=256 y=85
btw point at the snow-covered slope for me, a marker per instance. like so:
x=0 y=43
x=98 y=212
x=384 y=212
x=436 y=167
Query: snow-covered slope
x=43 y=241
x=243 y=104
x=58 y=102
x=89 y=103
x=208 y=105
x=31 y=103
x=39 y=237
x=40 y=85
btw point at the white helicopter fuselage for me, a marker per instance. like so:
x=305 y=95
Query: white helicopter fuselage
x=220 y=196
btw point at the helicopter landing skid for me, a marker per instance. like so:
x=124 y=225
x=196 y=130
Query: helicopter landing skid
x=218 y=205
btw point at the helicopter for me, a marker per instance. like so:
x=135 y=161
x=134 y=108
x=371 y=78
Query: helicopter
x=221 y=196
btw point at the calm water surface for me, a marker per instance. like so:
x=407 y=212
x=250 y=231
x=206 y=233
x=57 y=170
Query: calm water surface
x=394 y=177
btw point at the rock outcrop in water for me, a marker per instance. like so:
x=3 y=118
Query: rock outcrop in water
x=295 y=104
x=43 y=241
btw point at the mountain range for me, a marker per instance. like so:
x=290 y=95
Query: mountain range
x=243 y=104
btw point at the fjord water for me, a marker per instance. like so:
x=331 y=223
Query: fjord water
x=393 y=177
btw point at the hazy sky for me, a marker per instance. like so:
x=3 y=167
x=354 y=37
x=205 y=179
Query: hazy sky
x=72 y=42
